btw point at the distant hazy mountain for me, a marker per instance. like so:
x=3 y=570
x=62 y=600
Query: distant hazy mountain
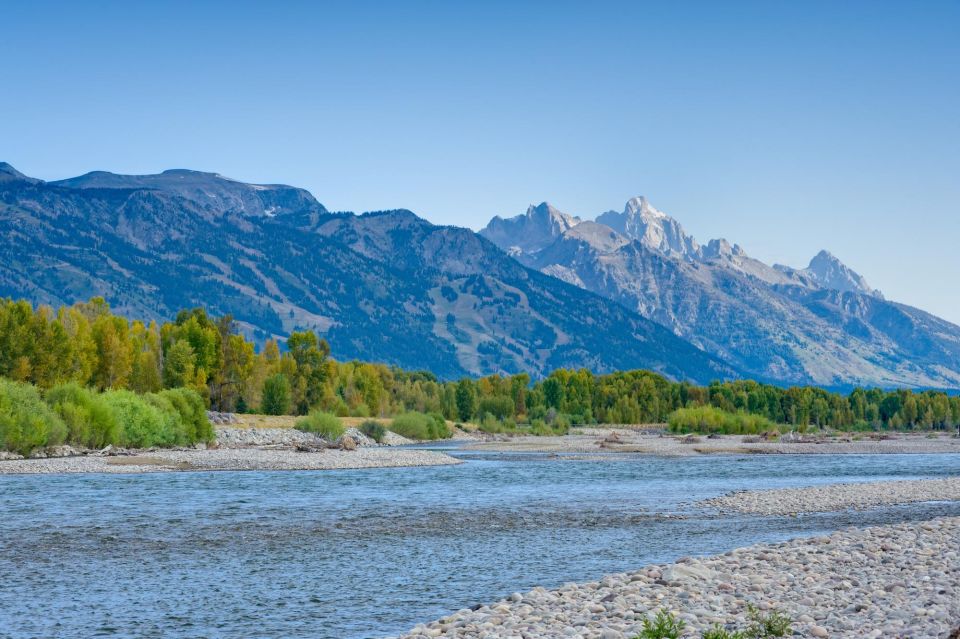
x=822 y=324
x=382 y=286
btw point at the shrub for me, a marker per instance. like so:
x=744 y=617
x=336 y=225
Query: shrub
x=707 y=419
x=718 y=632
x=774 y=624
x=90 y=421
x=361 y=410
x=193 y=413
x=325 y=425
x=374 y=430
x=500 y=406
x=141 y=423
x=663 y=626
x=561 y=425
x=419 y=426
x=26 y=422
x=539 y=428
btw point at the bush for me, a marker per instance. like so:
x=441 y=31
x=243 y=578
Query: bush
x=419 y=426
x=26 y=422
x=561 y=425
x=374 y=430
x=90 y=421
x=718 y=632
x=361 y=410
x=539 y=428
x=500 y=406
x=707 y=419
x=325 y=425
x=141 y=423
x=774 y=624
x=193 y=413
x=663 y=626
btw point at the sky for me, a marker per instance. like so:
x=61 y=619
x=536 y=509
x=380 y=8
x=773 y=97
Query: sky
x=786 y=127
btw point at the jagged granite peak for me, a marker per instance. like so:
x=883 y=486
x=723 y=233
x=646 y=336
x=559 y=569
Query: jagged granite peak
x=532 y=231
x=216 y=193
x=829 y=272
x=10 y=174
x=655 y=229
x=720 y=248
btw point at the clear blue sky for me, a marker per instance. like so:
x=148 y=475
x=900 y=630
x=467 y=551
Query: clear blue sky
x=784 y=126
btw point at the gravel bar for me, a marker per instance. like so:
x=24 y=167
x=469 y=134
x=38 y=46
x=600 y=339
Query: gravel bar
x=229 y=459
x=831 y=497
x=892 y=581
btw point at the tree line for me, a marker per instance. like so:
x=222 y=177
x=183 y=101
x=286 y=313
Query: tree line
x=90 y=345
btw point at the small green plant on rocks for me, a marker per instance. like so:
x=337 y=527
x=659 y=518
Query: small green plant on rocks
x=663 y=626
x=774 y=624
x=374 y=430
x=719 y=632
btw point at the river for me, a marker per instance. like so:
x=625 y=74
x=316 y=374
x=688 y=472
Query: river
x=369 y=553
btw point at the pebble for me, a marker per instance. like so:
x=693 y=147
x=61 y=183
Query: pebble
x=831 y=586
x=832 y=497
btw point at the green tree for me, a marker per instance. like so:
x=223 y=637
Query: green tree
x=276 y=395
x=466 y=400
x=178 y=367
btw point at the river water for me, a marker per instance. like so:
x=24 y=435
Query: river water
x=370 y=553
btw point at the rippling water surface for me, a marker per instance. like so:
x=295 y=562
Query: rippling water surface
x=368 y=553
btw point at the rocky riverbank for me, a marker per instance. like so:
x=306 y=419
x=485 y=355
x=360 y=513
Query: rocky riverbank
x=828 y=497
x=164 y=460
x=657 y=442
x=236 y=448
x=889 y=581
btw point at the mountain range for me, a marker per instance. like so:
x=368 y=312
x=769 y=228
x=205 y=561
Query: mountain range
x=384 y=286
x=822 y=324
x=531 y=293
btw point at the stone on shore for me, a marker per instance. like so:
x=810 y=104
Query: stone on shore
x=830 y=497
x=901 y=580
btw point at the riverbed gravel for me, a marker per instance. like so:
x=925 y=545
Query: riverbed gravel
x=892 y=581
x=649 y=441
x=828 y=497
x=230 y=459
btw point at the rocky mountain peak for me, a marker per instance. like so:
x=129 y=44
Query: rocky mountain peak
x=720 y=248
x=827 y=271
x=532 y=231
x=653 y=228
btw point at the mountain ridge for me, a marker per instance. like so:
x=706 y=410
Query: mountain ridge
x=823 y=324
x=383 y=286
